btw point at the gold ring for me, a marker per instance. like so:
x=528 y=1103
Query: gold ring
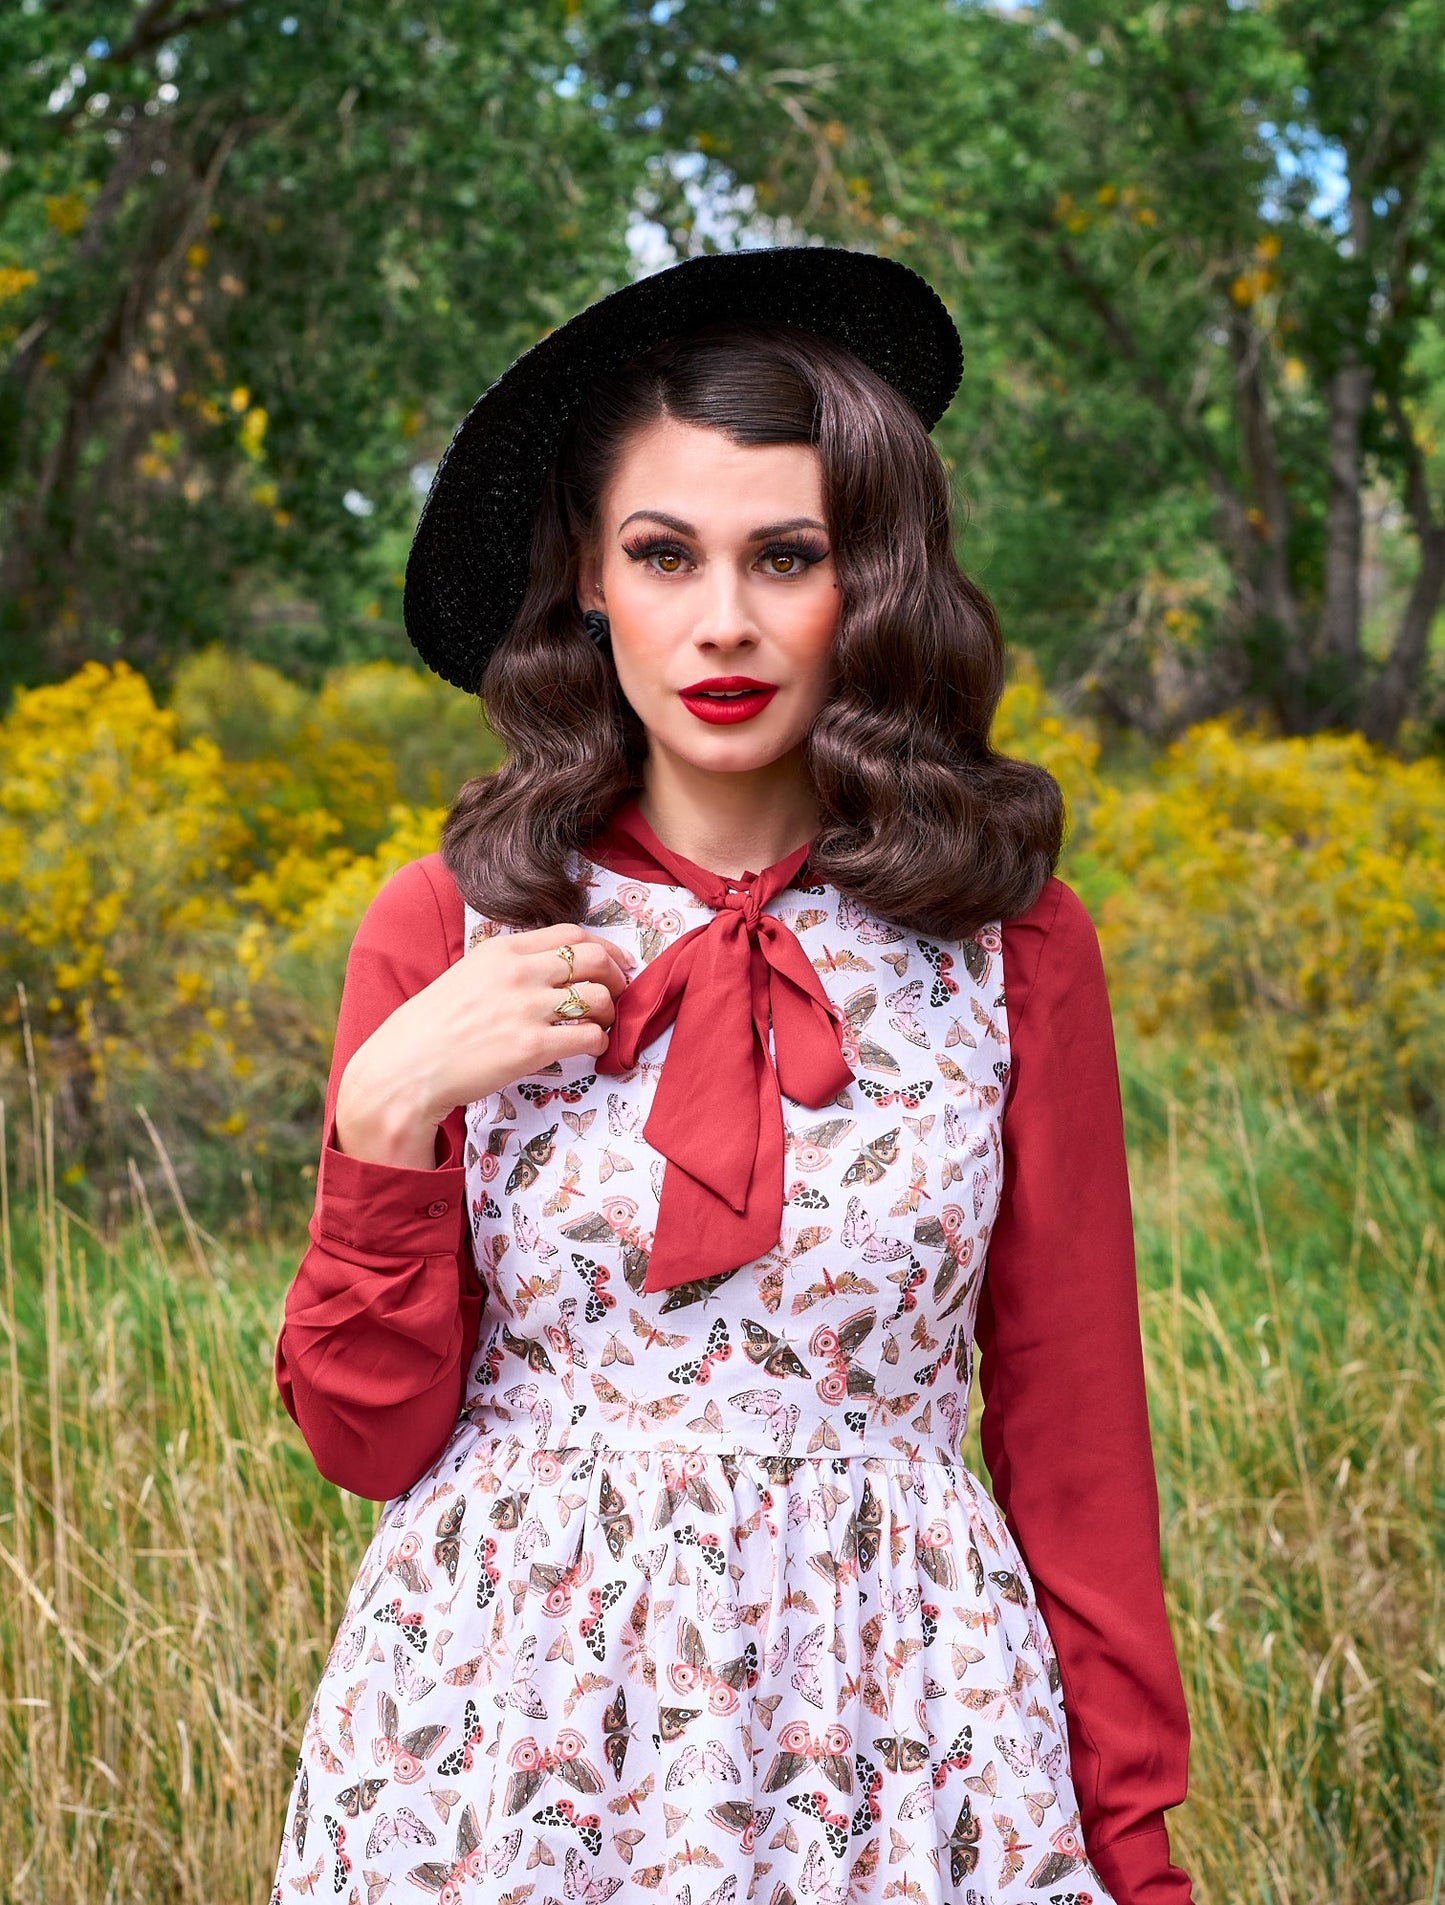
x=566 y=953
x=574 y=1006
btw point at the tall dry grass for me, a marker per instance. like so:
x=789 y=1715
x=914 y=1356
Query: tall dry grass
x=170 y=1565
x=171 y=1569
x=1297 y=1368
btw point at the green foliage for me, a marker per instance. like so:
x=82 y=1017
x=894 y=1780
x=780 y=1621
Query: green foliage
x=254 y=261
x=254 y=265
x=1195 y=256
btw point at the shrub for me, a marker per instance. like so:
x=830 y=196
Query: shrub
x=1282 y=890
x=176 y=921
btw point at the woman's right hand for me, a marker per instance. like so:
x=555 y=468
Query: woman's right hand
x=484 y=1022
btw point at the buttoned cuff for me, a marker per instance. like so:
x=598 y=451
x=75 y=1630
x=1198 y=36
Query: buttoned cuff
x=388 y=1210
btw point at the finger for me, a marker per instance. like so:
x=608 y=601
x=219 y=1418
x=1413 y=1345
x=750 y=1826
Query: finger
x=597 y=999
x=548 y=938
x=580 y=1038
x=592 y=959
x=619 y=955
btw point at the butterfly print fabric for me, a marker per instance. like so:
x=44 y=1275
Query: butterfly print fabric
x=700 y=1601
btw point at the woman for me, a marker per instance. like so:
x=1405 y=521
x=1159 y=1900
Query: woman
x=649 y=1249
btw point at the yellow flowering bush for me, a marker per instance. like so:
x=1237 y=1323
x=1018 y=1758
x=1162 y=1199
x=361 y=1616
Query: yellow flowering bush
x=176 y=916
x=1283 y=890
x=116 y=847
x=179 y=887
x=308 y=959
x=1029 y=725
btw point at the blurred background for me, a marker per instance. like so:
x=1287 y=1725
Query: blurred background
x=257 y=257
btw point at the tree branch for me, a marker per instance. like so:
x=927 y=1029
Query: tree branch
x=170 y=231
x=1417 y=487
x=154 y=25
x=1119 y=333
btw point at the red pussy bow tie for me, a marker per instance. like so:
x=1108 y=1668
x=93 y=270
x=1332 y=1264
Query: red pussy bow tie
x=717 y=1114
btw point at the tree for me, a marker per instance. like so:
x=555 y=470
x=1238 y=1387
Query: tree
x=256 y=259
x=1195 y=253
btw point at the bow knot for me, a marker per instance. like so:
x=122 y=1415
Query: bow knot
x=744 y=900
x=717 y=1113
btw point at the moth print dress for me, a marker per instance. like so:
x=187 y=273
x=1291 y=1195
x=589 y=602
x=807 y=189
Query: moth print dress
x=700 y=1603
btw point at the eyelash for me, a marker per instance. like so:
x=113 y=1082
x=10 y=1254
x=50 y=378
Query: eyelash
x=805 y=553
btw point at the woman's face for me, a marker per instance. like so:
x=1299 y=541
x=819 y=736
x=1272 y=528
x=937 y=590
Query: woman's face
x=713 y=566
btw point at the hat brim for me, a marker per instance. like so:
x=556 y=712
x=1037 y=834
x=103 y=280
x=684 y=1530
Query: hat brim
x=467 y=571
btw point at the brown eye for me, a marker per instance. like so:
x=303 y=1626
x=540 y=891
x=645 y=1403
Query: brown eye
x=788 y=559
x=668 y=560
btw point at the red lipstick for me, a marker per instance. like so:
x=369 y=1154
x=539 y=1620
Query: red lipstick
x=723 y=699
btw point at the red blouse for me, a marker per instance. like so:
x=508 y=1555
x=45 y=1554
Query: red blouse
x=382 y=1317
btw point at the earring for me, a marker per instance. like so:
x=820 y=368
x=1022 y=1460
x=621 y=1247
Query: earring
x=598 y=628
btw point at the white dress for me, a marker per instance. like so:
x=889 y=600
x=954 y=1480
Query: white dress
x=700 y=1602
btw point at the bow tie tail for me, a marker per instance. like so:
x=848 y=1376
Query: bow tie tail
x=648 y=1003
x=698 y=1233
x=807 y=1026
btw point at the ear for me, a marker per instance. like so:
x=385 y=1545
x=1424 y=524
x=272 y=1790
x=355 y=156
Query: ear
x=589 y=578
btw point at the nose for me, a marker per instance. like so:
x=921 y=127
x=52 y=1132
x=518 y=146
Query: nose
x=724 y=618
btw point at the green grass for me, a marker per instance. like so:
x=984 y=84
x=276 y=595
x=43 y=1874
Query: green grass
x=171 y=1568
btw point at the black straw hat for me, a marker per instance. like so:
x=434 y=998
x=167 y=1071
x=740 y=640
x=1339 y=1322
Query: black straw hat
x=468 y=568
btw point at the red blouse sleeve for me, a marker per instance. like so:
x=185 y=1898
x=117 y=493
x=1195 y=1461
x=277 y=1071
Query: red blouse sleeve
x=1065 y=1423
x=383 y=1312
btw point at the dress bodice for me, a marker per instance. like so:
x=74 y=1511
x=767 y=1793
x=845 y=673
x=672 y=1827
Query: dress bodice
x=854 y=1334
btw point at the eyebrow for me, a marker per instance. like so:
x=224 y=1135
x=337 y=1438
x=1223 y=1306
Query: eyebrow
x=761 y=534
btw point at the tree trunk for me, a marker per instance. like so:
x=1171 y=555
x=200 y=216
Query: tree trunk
x=1395 y=689
x=1394 y=692
x=1340 y=622
x=1277 y=588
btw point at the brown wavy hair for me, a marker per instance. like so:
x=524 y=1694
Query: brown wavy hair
x=920 y=820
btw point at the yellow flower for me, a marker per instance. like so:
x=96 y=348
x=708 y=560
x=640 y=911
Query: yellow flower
x=13 y=280
x=66 y=213
x=253 y=429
